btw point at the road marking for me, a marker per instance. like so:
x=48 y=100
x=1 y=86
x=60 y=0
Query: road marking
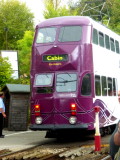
x=12 y=134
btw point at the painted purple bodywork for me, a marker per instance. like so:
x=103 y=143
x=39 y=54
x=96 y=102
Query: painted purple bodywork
x=55 y=107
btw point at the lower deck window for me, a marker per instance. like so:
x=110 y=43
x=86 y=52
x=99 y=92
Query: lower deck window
x=97 y=85
x=107 y=85
x=86 y=85
x=104 y=86
x=109 y=80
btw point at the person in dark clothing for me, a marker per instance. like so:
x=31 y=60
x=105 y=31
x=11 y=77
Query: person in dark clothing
x=2 y=113
x=117 y=142
x=115 y=138
x=113 y=147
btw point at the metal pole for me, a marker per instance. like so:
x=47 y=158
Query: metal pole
x=97 y=129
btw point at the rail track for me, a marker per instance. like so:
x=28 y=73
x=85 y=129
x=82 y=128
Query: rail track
x=76 y=148
x=83 y=152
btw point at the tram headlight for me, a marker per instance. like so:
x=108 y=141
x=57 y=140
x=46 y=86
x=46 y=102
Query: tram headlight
x=72 y=120
x=38 y=120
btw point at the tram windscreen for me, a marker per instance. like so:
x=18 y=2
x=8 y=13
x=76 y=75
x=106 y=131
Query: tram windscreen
x=44 y=80
x=66 y=82
x=46 y=35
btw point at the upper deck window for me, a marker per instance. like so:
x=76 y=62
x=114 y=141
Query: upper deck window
x=101 y=39
x=70 y=33
x=112 y=44
x=66 y=82
x=95 y=36
x=117 y=46
x=107 y=41
x=46 y=35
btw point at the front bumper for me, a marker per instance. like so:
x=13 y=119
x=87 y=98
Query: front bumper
x=47 y=127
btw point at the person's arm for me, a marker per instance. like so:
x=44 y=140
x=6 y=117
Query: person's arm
x=3 y=113
x=117 y=136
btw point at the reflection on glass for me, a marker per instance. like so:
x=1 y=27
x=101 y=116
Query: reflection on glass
x=70 y=33
x=46 y=35
x=66 y=82
x=43 y=80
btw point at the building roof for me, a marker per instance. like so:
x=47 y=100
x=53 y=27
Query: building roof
x=17 y=88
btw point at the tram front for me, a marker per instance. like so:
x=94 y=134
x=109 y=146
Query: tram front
x=56 y=70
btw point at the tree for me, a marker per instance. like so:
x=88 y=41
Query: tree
x=25 y=46
x=53 y=9
x=111 y=8
x=5 y=71
x=15 y=18
x=115 y=15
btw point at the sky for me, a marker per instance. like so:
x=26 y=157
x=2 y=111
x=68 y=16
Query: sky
x=37 y=7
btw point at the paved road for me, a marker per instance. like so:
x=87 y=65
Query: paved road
x=20 y=140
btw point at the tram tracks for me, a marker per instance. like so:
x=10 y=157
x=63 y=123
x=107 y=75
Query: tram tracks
x=76 y=148
x=35 y=153
x=40 y=153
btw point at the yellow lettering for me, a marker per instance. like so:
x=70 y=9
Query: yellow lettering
x=55 y=64
x=54 y=58
x=49 y=58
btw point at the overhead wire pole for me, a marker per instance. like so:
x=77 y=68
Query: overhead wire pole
x=83 y=9
x=90 y=8
x=102 y=8
x=98 y=10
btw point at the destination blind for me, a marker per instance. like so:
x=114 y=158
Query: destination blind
x=55 y=58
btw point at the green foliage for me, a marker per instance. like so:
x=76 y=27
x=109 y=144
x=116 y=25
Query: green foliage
x=15 y=18
x=115 y=15
x=112 y=8
x=5 y=71
x=54 y=9
x=19 y=81
x=25 y=46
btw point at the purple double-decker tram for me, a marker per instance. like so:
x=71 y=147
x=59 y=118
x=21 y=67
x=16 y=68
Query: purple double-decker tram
x=73 y=71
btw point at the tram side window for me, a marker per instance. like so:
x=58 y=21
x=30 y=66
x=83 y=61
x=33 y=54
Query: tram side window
x=86 y=85
x=101 y=39
x=114 y=87
x=110 y=92
x=97 y=85
x=117 y=46
x=107 y=41
x=104 y=86
x=95 y=36
x=112 y=44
